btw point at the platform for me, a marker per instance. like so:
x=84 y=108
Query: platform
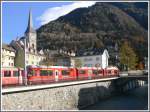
x=54 y=85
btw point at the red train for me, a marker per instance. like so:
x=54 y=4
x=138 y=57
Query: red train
x=12 y=76
x=42 y=74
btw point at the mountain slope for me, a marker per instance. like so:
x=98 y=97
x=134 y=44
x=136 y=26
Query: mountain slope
x=139 y=11
x=100 y=25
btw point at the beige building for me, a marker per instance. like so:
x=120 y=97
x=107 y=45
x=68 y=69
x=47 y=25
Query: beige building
x=34 y=59
x=8 y=56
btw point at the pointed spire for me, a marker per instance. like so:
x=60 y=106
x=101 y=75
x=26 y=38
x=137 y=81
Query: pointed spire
x=30 y=23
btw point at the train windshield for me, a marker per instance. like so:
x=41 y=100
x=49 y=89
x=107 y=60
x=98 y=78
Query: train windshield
x=31 y=72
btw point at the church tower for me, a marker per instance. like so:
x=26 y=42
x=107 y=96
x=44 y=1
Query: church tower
x=30 y=35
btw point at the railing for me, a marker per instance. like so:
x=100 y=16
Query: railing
x=133 y=73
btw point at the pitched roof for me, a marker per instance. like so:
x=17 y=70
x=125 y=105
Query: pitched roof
x=8 y=47
x=90 y=52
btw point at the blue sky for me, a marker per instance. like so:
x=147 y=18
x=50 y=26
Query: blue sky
x=15 y=15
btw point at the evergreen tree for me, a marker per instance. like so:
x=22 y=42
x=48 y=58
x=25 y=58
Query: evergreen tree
x=20 y=59
x=128 y=56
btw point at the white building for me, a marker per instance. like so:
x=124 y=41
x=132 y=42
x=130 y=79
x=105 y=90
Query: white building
x=8 y=56
x=95 y=58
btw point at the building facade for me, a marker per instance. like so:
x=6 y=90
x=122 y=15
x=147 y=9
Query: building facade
x=34 y=59
x=8 y=56
x=92 y=59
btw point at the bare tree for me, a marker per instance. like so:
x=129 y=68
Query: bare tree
x=78 y=63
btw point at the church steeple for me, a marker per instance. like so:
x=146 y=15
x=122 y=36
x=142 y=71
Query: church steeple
x=30 y=35
x=30 y=24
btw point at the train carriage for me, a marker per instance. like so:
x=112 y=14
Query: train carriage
x=112 y=71
x=12 y=76
x=89 y=72
x=97 y=72
x=43 y=74
x=37 y=75
x=68 y=74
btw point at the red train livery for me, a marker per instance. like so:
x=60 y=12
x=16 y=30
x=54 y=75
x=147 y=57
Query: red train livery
x=50 y=74
x=12 y=76
x=43 y=74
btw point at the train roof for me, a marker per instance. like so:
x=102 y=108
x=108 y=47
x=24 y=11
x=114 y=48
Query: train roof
x=11 y=68
x=90 y=67
x=33 y=66
x=112 y=67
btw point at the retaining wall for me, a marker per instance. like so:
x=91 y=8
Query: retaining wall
x=63 y=98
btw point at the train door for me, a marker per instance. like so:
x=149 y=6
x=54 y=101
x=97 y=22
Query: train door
x=89 y=74
x=20 y=76
x=56 y=75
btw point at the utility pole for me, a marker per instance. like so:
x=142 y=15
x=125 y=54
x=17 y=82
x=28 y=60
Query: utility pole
x=25 y=69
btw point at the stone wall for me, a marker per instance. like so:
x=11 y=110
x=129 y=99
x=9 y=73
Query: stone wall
x=72 y=97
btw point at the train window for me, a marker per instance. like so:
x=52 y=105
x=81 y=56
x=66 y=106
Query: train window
x=15 y=73
x=7 y=73
x=65 y=72
x=115 y=71
x=50 y=72
x=43 y=73
x=95 y=72
x=100 y=71
x=109 y=71
x=81 y=71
